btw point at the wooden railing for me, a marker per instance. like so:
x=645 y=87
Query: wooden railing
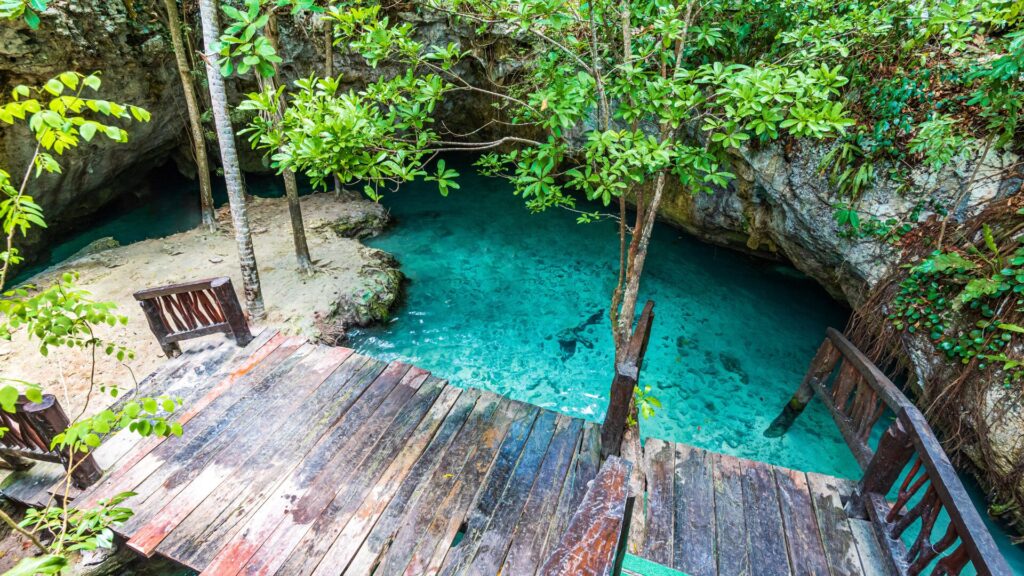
x=594 y=542
x=183 y=311
x=857 y=394
x=29 y=434
x=627 y=374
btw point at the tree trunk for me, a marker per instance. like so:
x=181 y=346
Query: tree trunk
x=291 y=187
x=635 y=265
x=329 y=73
x=229 y=159
x=198 y=140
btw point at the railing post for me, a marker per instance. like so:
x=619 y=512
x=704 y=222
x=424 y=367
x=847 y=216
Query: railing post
x=627 y=374
x=821 y=366
x=232 y=309
x=895 y=449
x=49 y=420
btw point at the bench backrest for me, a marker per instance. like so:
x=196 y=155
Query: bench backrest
x=193 y=309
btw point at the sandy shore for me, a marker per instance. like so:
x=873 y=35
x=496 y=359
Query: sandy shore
x=354 y=284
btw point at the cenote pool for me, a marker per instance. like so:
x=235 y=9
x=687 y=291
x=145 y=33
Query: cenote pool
x=513 y=302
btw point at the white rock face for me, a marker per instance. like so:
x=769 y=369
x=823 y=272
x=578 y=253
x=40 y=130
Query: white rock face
x=782 y=204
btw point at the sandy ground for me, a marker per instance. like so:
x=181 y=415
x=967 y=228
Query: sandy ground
x=348 y=273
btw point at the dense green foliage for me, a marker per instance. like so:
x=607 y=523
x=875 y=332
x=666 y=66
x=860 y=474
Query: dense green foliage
x=62 y=316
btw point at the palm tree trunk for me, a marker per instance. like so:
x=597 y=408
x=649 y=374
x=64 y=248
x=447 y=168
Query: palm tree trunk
x=198 y=140
x=229 y=159
x=291 y=187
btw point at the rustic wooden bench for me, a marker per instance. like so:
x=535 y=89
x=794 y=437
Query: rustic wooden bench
x=31 y=429
x=193 y=309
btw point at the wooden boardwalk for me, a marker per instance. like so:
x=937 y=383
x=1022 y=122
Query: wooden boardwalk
x=710 y=514
x=305 y=459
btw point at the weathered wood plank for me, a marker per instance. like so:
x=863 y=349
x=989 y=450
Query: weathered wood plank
x=567 y=502
x=222 y=514
x=149 y=454
x=493 y=543
x=435 y=544
x=382 y=518
x=527 y=542
x=190 y=376
x=766 y=539
x=254 y=459
x=806 y=553
x=694 y=528
x=490 y=492
x=730 y=524
x=410 y=497
x=588 y=462
x=273 y=400
x=423 y=410
x=836 y=536
x=204 y=426
x=659 y=464
x=392 y=457
x=301 y=498
x=592 y=541
x=872 y=559
x=408 y=522
x=32 y=487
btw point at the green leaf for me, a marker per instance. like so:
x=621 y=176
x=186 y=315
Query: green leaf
x=54 y=86
x=87 y=131
x=32 y=19
x=48 y=564
x=92 y=81
x=70 y=79
x=8 y=398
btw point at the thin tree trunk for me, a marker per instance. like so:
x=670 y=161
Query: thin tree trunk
x=291 y=187
x=329 y=73
x=637 y=258
x=229 y=159
x=198 y=140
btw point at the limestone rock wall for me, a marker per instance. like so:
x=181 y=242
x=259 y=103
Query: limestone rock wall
x=88 y=36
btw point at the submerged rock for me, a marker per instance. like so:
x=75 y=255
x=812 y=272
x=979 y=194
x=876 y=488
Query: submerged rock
x=95 y=247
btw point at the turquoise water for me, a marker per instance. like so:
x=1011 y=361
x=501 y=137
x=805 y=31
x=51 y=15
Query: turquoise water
x=514 y=302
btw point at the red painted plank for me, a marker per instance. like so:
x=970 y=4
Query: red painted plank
x=315 y=471
x=149 y=535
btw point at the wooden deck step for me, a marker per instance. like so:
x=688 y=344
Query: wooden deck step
x=712 y=514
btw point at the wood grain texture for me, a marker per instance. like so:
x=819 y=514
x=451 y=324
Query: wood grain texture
x=694 y=528
x=591 y=543
x=834 y=526
x=239 y=469
x=730 y=521
x=659 y=461
x=806 y=552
